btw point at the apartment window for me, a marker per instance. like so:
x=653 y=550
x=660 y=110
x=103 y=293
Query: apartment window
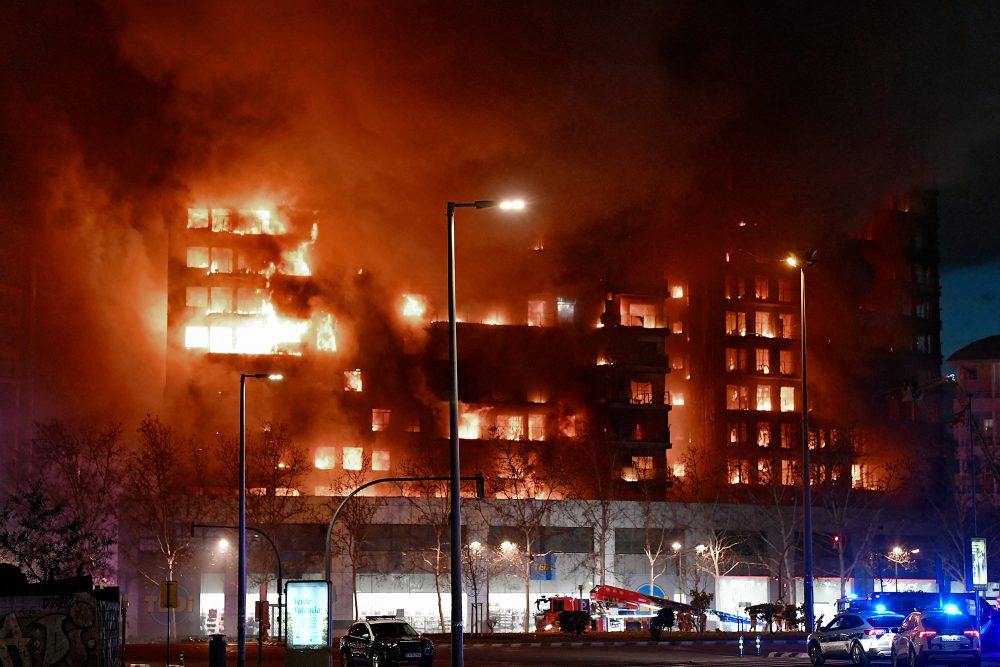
x=380 y=419
x=788 y=399
x=736 y=360
x=536 y=427
x=222 y=220
x=353 y=458
x=786 y=362
x=738 y=471
x=197 y=257
x=413 y=425
x=737 y=397
x=222 y=260
x=735 y=288
x=380 y=459
x=197 y=218
x=678 y=469
x=677 y=328
x=510 y=427
x=987 y=426
x=760 y=288
x=536 y=313
x=924 y=310
x=676 y=398
x=763 y=325
x=325 y=458
x=220 y=339
x=763 y=435
x=469 y=426
x=787 y=436
x=736 y=323
x=197 y=297
x=763 y=397
x=249 y=301
x=195 y=337
x=677 y=362
x=924 y=344
x=643 y=466
x=763 y=361
x=763 y=471
x=677 y=292
x=788 y=473
x=737 y=434
x=352 y=380
x=642 y=392
x=221 y=300
x=565 y=310
x=785 y=294
x=638 y=432
x=567 y=426
x=786 y=322
x=641 y=315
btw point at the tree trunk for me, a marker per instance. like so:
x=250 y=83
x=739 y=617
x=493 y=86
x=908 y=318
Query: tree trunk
x=437 y=586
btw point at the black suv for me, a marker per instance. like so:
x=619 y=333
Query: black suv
x=384 y=641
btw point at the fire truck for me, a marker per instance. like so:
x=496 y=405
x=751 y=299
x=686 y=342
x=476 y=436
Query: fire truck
x=611 y=609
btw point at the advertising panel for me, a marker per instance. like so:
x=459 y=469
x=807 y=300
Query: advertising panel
x=307 y=615
x=977 y=549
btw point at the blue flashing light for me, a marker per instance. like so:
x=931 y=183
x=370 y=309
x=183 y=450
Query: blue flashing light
x=852 y=596
x=951 y=609
x=880 y=607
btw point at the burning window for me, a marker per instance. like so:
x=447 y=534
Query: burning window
x=510 y=427
x=413 y=425
x=414 y=306
x=676 y=398
x=763 y=325
x=638 y=432
x=786 y=322
x=353 y=458
x=641 y=315
x=734 y=288
x=784 y=290
x=677 y=292
x=737 y=434
x=641 y=392
x=859 y=475
x=786 y=365
x=197 y=218
x=536 y=427
x=566 y=311
x=222 y=220
x=763 y=434
x=643 y=466
x=738 y=471
x=629 y=474
x=677 y=328
x=197 y=257
x=737 y=397
x=468 y=426
x=813 y=439
x=195 y=337
x=678 y=470
x=380 y=459
x=736 y=323
x=352 y=380
x=788 y=399
x=325 y=458
x=285 y=491
x=760 y=288
x=677 y=362
x=763 y=397
x=221 y=300
x=787 y=436
x=763 y=471
x=536 y=313
x=788 y=473
x=567 y=426
x=220 y=339
x=197 y=297
x=380 y=419
x=249 y=301
x=763 y=362
x=736 y=360
x=222 y=260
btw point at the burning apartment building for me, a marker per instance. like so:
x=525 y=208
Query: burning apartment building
x=682 y=387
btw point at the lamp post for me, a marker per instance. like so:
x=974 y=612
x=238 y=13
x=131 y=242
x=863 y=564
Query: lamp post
x=801 y=261
x=457 y=648
x=241 y=601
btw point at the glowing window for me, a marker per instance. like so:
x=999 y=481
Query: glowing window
x=353 y=458
x=787 y=436
x=677 y=328
x=738 y=472
x=763 y=325
x=324 y=491
x=468 y=426
x=352 y=380
x=197 y=257
x=677 y=291
x=629 y=474
x=763 y=471
x=325 y=458
x=567 y=426
x=736 y=360
x=786 y=322
x=536 y=313
x=677 y=362
x=249 y=301
x=221 y=300
x=678 y=470
x=510 y=427
x=737 y=434
x=565 y=311
x=197 y=218
x=763 y=435
x=760 y=288
x=643 y=466
x=413 y=425
x=788 y=473
x=788 y=399
x=763 y=397
x=641 y=392
x=737 y=397
x=676 y=398
x=285 y=491
x=220 y=339
x=380 y=459
x=197 y=297
x=787 y=362
x=380 y=419
x=736 y=323
x=536 y=427
x=222 y=220
x=641 y=315
x=195 y=337
x=222 y=260
x=763 y=361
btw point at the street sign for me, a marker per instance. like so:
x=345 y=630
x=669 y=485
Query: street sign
x=168 y=595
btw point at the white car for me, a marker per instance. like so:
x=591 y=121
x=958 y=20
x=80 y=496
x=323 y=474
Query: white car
x=856 y=636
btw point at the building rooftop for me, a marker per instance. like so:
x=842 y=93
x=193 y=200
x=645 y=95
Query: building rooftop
x=980 y=350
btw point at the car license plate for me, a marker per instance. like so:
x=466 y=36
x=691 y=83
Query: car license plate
x=411 y=655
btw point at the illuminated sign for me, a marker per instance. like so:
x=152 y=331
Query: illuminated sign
x=307 y=614
x=977 y=548
x=543 y=568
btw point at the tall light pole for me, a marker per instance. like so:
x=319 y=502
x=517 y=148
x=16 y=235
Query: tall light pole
x=457 y=648
x=801 y=261
x=241 y=592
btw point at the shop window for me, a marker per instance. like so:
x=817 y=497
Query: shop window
x=788 y=399
x=536 y=427
x=380 y=419
x=197 y=257
x=380 y=459
x=325 y=458
x=353 y=458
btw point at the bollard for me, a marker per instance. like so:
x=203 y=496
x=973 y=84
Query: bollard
x=757 y=646
x=217 y=651
x=741 y=646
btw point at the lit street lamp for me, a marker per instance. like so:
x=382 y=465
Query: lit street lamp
x=457 y=648
x=900 y=556
x=801 y=261
x=241 y=601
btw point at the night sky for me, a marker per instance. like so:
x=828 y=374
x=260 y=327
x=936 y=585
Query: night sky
x=654 y=123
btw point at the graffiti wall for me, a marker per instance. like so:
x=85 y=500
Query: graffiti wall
x=78 y=629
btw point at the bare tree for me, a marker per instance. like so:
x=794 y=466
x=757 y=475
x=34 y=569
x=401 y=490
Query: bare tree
x=777 y=484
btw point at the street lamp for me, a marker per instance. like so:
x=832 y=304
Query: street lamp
x=801 y=261
x=241 y=601
x=457 y=648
